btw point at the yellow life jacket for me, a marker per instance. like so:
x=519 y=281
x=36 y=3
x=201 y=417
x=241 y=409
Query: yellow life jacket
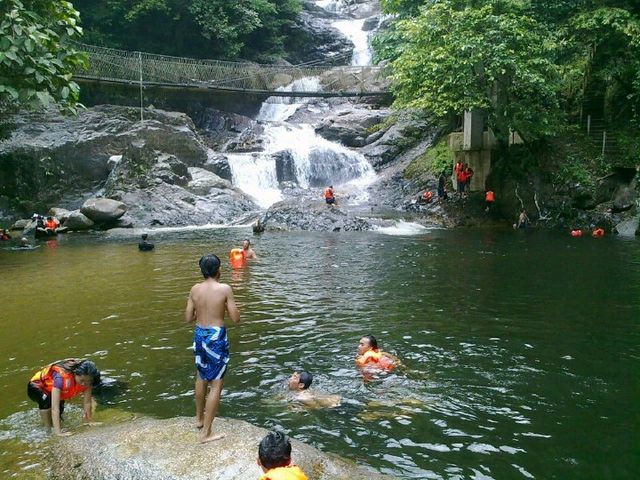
x=290 y=472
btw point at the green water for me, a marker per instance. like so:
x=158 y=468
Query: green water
x=521 y=349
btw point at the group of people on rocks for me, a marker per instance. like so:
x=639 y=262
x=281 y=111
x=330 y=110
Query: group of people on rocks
x=208 y=303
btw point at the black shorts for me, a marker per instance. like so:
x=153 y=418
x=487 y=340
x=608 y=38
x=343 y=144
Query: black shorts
x=330 y=201
x=42 y=398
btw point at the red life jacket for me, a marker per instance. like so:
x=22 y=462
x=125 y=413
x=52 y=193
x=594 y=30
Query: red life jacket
x=490 y=197
x=51 y=224
x=43 y=379
x=458 y=167
x=328 y=193
x=237 y=254
x=375 y=358
x=427 y=196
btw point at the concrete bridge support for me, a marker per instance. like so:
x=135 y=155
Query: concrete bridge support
x=473 y=146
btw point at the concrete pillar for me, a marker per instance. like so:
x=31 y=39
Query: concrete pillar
x=473 y=130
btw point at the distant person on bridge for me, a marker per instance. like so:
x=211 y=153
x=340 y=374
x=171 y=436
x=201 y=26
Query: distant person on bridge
x=329 y=196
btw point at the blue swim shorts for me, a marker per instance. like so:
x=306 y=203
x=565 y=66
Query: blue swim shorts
x=211 y=350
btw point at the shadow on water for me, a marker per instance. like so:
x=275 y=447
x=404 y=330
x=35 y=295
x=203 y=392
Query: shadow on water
x=520 y=351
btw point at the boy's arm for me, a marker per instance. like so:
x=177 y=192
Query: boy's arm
x=86 y=400
x=190 y=311
x=232 y=308
x=55 y=411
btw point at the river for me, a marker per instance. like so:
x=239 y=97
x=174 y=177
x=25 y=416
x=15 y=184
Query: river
x=521 y=350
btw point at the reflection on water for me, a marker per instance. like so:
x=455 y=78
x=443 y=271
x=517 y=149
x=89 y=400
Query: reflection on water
x=521 y=350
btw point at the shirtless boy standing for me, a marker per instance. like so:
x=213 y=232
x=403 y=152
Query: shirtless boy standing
x=206 y=306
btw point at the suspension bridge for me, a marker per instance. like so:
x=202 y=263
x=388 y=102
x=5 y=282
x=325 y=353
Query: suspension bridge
x=151 y=70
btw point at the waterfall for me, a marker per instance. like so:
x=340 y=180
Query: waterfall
x=294 y=157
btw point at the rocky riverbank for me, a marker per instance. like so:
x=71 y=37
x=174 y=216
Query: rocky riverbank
x=147 y=448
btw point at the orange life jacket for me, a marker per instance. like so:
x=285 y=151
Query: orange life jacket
x=237 y=254
x=490 y=197
x=598 y=232
x=376 y=359
x=290 y=472
x=458 y=167
x=427 y=196
x=43 y=379
x=328 y=193
x=52 y=224
x=576 y=233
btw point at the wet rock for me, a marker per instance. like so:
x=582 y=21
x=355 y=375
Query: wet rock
x=312 y=215
x=203 y=181
x=20 y=224
x=78 y=221
x=628 y=228
x=312 y=38
x=147 y=448
x=351 y=128
x=624 y=198
x=103 y=210
x=60 y=213
x=285 y=167
x=219 y=164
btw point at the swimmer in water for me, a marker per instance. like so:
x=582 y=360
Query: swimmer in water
x=300 y=382
x=371 y=357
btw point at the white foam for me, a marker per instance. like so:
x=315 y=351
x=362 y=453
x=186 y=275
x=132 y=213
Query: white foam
x=402 y=228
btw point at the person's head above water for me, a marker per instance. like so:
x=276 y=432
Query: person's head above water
x=246 y=243
x=209 y=265
x=367 y=342
x=274 y=451
x=300 y=380
x=145 y=236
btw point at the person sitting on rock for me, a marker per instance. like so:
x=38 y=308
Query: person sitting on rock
x=4 y=236
x=51 y=225
x=523 y=220
x=60 y=381
x=300 y=382
x=145 y=246
x=274 y=457
x=329 y=196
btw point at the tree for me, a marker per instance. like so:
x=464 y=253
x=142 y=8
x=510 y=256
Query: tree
x=493 y=58
x=36 y=62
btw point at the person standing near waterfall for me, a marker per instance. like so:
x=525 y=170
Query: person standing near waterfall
x=329 y=196
x=208 y=301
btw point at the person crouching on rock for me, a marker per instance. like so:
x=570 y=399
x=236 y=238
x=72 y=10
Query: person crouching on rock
x=329 y=196
x=51 y=386
x=274 y=457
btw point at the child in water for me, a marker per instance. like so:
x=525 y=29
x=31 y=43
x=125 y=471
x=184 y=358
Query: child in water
x=274 y=457
x=60 y=381
x=371 y=357
x=300 y=382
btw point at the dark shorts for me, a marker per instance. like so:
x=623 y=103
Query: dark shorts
x=330 y=201
x=42 y=398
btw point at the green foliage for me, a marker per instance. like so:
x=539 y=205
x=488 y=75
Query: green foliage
x=36 y=64
x=434 y=160
x=252 y=29
x=491 y=58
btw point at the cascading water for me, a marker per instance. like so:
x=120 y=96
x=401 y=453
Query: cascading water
x=294 y=156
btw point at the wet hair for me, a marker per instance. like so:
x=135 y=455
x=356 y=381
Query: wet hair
x=81 y=367
x=373 y=343
x=274 y=450
x=247 y=240
x=306 y=378
x=209 y=265
x=145 y=236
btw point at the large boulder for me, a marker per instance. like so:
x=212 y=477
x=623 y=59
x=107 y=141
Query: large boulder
x=628 y=228
x=78 y=221
x=49 y=156
x=624 y=198
x=147 y=448
x=60 y=213
x=103 y=210
x=351 y=128
x=313 y=215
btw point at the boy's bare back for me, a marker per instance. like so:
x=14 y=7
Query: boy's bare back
x=207 y=303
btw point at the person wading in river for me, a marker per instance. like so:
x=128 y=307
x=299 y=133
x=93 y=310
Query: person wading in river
x=207 y=303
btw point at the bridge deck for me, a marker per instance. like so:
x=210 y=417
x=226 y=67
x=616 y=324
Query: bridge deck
x=124 y=67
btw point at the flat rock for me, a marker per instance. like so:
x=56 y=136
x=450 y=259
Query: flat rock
x=147 y=448
x=103 y=209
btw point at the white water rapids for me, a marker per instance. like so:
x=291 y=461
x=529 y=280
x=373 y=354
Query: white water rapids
x=293 y=153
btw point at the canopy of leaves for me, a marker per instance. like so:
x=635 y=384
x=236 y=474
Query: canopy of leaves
x=529 y=64
x=35 y=63
x=250 y=29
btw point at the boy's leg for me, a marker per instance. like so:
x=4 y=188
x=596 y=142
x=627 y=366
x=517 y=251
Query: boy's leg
x=45 y=415
x=201 y=392
x=210 y=411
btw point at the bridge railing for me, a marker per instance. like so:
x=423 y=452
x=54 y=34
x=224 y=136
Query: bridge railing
x=121 y=66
